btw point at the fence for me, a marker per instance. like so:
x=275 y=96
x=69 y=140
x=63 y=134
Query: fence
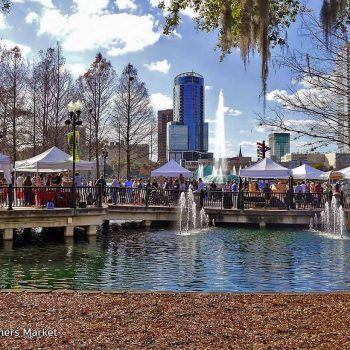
x=61 y=197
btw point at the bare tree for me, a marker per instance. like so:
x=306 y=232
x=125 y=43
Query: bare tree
x=62 y=91
x=50 y=87
x=316 y=106
x=96 y=88
x=133 y=115
x=13 y=87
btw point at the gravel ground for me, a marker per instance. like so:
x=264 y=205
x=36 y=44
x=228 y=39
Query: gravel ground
x=170 y=321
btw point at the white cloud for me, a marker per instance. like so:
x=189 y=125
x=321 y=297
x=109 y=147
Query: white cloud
x=32 y=17
x=9 y=44
x=263 y=128
x=76 y=69
x=311 y=93
x=232 y=112
x=243 y=132
x=272 y=95
x=126 y=4
x=88 y=7
x=248 y=143
x=208 y=87
x=44 y=3
x=176 y=34
x=91 y=27
x=161 y=101
x=159 y=66
x=189 y=12
x=3 y=22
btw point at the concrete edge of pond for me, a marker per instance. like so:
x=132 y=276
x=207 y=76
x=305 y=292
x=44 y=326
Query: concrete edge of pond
x=121 y=292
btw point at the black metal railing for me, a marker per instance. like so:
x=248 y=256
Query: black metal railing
x=98 y=196
x=49 y=196
x=141 y=196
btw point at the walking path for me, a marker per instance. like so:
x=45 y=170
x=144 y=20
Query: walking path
x=79 y=320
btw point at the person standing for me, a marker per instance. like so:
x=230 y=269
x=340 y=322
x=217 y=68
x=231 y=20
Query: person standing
x=303 y=187
x=101 y=185
x=128 y=186
x=20 y=180
x=19 y=183
x=201 y=185
x=115 y=189
x=234 y=190
x=77 y=180
x=27 y=189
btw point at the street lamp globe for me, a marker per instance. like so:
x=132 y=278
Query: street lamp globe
x=71 y=107
x=79 y=106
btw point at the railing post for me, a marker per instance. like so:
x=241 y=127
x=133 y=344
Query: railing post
x=222 y=198
x=100 y=195
x=147 y=196
x=240 y=200
x=10 y=196
x=289 y=199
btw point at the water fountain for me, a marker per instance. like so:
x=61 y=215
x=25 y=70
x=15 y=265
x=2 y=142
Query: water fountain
x=200 y=171
x=331 y=219
x=220 y=140
x=188 y=214
x=220 y=174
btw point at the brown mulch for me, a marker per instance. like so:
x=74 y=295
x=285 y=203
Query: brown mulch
x=177 y=321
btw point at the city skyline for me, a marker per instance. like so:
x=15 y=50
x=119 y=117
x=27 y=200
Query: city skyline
x=130 y=31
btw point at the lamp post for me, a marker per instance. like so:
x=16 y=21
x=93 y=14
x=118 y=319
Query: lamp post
x=74 y=110
x=104 y=156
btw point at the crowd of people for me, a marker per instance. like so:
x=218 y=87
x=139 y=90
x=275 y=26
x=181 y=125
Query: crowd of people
x=26 y=185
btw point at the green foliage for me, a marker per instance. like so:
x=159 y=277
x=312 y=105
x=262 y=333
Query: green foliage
x=5 y=5
x=251 y=24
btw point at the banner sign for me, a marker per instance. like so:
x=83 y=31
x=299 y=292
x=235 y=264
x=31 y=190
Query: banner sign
x=77 y=144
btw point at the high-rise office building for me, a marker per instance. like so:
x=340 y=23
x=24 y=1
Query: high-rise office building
x=279 y=143
x=188 y=122
x=343 y=98
x=189 y=109
x=163 y=118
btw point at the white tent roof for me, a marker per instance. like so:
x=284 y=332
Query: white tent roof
x=307 y=172
x=5 y=167
x=266 y=169
x=171 y=168
x=52 y=160
x=345 y=172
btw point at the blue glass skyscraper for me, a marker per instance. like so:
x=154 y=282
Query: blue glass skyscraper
x=189 y=109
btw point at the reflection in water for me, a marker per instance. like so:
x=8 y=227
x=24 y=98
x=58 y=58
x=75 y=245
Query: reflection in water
x=215 y=259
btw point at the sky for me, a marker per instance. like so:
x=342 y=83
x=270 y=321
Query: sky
x=131 y=31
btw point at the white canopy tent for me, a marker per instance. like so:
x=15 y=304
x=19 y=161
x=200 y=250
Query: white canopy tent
x=171 y=168
x=52 y=160
x=5 y=162
x=345 y=172
x=266 y=169
x=307 y=172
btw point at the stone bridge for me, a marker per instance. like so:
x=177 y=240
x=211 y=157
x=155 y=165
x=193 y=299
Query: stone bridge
x=91 y=218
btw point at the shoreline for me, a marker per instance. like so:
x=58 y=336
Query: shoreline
x=169 y=320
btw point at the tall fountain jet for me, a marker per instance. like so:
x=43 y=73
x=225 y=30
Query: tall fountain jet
x=220 y=140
